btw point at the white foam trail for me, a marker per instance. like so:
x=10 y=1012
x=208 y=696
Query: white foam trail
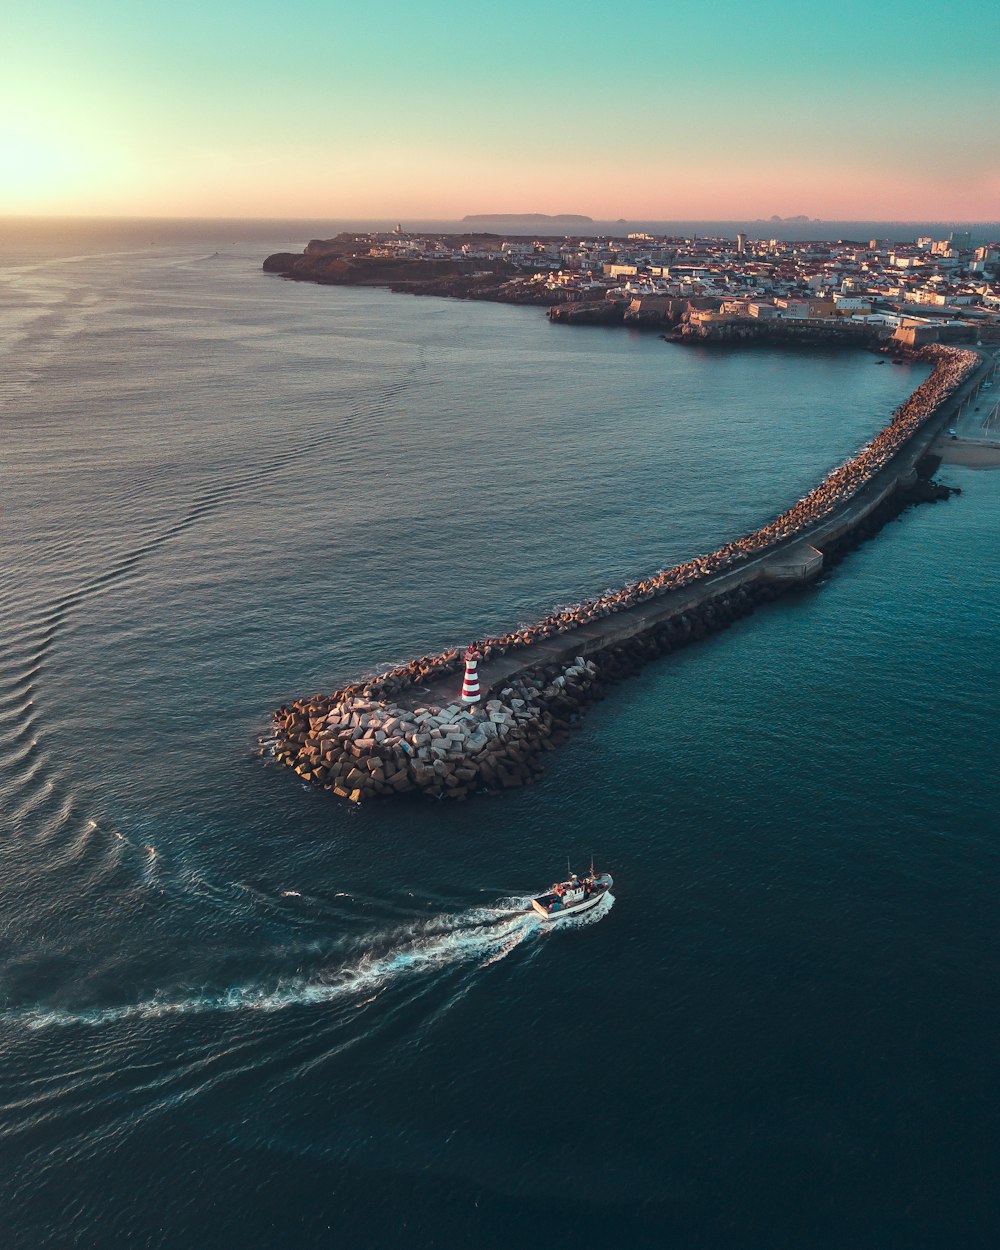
x=484 y=935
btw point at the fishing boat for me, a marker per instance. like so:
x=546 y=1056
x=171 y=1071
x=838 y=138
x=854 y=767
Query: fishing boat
x=574 y=895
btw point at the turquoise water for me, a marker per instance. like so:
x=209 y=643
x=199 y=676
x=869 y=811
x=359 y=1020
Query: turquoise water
x=278 y=1020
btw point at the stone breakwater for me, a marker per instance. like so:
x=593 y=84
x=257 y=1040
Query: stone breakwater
x=360 y=748
x=376 y=738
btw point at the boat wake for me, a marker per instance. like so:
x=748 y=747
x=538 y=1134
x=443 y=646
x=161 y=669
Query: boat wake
x=481 y=936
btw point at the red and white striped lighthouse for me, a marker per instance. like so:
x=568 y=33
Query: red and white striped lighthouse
x=470 y=686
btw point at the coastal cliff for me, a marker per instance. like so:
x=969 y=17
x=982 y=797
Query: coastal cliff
x=331 y=262
x=651 y=311
x=595 y=312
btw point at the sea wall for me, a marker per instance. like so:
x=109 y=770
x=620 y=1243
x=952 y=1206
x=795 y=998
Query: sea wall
x=812 y=332
x=405 y=730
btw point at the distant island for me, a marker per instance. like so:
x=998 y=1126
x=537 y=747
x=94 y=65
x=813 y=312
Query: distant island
x=530 y=218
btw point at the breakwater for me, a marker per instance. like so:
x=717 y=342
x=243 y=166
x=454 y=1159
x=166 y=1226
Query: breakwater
x=405 y=730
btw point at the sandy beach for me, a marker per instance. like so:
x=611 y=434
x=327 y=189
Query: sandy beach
x=974 y=453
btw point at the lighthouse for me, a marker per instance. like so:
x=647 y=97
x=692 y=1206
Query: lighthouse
x=470 y=686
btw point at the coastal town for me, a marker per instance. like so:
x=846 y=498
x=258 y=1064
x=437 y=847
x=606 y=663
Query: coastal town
x=927 y=290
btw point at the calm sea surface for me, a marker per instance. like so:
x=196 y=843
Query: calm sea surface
x=234 y=1013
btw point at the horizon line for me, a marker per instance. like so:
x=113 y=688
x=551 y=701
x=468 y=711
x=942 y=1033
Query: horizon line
x=817 y=221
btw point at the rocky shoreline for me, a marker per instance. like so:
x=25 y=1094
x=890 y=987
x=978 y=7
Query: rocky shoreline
x=682 y=318
x=326 y=263
x=372 y=739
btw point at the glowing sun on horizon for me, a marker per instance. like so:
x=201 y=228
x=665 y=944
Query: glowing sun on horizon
x=40 y=167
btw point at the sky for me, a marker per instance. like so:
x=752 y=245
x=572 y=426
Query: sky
x=656 y=110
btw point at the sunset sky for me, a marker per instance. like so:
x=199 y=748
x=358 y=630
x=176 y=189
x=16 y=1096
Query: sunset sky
x=679 y=109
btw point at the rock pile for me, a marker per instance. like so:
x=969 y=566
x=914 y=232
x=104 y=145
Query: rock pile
x=359 y=748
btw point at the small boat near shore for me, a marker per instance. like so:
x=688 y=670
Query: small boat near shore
x=572 y=896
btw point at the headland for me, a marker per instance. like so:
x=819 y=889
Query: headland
x=461 y=266
x=407 y=730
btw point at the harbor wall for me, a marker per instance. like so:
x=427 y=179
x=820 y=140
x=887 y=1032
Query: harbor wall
x=406 y=730
x=810 y=332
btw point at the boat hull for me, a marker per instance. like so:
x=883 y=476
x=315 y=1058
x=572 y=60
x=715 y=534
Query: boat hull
x=574 y=910
x=546 y=904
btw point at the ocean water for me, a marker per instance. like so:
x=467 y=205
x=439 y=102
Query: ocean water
x=236 y=1013
x=33 y=233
